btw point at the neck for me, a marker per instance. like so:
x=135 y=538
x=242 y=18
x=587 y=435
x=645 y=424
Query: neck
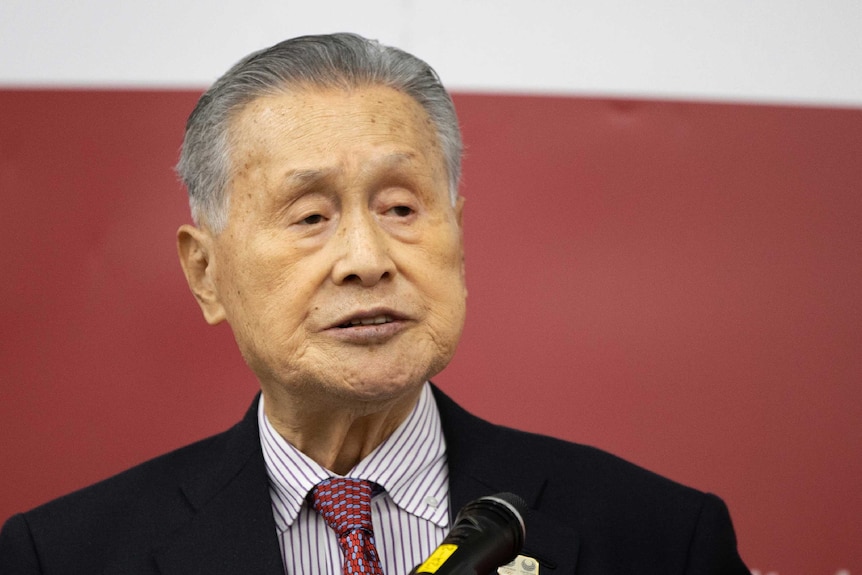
x=335 y=433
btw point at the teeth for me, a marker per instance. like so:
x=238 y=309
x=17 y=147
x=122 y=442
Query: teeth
x=371 y=320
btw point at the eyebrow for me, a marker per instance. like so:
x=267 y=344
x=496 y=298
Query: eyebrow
x=307 y=177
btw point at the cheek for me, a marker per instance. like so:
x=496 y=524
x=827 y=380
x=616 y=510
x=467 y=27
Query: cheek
x=284 y=299
x=446 y=323
x=257 y=292
x=443 y=279
x=266 y=314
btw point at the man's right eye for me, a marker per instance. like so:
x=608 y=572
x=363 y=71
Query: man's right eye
x=312 y=219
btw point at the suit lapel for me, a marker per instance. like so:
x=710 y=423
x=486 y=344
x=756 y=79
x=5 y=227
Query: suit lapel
x=232 y=530
x=480 y=464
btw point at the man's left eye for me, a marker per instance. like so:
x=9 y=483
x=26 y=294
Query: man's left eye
x=402 y=211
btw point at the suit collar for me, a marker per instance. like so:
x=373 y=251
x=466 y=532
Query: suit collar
x=481 y=463
x=232 y=529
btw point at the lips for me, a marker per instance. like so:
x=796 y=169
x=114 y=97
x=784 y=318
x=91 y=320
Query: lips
x=375 y=320
x=371 y=317
x=368 y=327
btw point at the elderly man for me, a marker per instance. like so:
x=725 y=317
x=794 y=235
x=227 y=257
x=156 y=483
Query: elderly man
x=323 y=181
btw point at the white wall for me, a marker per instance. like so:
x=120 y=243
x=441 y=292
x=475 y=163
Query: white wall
x=750 y=50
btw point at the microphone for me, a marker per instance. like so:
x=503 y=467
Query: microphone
x=488 y=532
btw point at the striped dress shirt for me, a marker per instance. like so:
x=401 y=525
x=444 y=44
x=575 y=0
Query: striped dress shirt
x=410 y=516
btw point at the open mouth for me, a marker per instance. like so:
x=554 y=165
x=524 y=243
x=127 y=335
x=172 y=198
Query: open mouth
x=375 y=320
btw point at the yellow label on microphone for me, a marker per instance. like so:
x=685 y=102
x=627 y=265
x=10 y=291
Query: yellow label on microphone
x=440 y=555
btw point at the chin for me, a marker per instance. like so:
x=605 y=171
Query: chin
x=381 y=388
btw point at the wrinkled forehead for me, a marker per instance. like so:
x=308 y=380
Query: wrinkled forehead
x=319 y=123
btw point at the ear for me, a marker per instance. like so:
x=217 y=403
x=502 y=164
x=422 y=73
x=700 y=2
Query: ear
x=459 y=211
x=459 y=215
x=195 y=248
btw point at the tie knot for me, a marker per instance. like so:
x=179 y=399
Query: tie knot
x=345 y=504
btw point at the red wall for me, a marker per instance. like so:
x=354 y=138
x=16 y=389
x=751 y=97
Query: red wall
x=678 y=283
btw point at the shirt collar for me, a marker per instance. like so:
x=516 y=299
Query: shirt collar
x=410 y=465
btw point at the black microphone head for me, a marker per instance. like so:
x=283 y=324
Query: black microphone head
x=510 y=509
x=516 y=505
x=488 y=532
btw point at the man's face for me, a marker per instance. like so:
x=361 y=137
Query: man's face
x=341 y=267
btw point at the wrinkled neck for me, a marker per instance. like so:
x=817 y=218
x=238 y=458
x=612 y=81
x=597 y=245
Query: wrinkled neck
x=337 y=435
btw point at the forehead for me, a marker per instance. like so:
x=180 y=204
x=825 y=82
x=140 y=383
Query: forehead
x=317 y=123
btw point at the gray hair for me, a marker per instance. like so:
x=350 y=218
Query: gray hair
x=330 y=61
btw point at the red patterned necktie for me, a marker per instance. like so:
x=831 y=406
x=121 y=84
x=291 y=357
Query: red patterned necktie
x=345 y=505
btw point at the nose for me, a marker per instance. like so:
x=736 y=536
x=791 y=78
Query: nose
x=363 y=252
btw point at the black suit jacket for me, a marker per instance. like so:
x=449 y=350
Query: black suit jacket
x=206 y=509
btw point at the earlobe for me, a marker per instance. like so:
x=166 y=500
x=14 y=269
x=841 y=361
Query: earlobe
x=195 y=250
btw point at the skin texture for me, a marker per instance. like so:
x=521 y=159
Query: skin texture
x=339 y=211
